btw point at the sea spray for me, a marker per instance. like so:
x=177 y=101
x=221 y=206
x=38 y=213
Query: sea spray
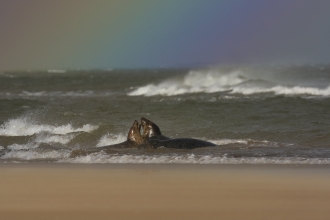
x=24 y=126
x=193 y=82
x=235 y=82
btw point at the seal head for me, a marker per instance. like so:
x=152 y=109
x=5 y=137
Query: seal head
x=150 y=129
x=134 y=136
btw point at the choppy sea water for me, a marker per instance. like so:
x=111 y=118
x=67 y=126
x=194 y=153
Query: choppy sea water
x=256 y=115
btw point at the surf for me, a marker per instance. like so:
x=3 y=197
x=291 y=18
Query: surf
x=243 y=81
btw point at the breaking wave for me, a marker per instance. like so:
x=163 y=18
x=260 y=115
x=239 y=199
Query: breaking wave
x=193 y=82
x=283 y=90
x=25 y=127
x=50 y=138
x=234 y=82
x=110 y=139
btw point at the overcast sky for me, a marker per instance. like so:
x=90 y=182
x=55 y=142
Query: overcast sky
x=85 y=34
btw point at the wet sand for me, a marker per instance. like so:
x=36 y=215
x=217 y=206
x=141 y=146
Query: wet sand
x=69 y=191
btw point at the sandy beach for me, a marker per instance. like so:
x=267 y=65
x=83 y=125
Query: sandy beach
x=69 y=191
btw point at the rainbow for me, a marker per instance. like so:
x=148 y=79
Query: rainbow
x=84 y=34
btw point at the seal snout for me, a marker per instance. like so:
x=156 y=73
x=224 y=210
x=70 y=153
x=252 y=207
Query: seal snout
x=136 y=124
x=134 y=134
x=150 y=129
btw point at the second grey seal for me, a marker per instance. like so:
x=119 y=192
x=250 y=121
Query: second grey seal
x=154 y=139
x=151 y=130
x=134 y=139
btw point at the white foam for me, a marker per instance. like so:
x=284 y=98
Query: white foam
x=241 y=142
x=1 y=148
x=56 y=71
x=110 y=139
x=236 y=82
x=190 y=159
x=283 y=90
x=229 y=141
x=194 y=82
x=48 y=138
x=16 y=147
x=26 y=93
x=34 y=155
x=23 y=127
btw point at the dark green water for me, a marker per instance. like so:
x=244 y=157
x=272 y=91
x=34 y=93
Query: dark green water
x=255 y=115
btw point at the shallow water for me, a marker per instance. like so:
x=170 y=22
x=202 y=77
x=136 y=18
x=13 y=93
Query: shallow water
x=257 y=115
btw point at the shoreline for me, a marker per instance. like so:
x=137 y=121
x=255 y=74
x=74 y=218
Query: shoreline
x=284 y=168
x=163 y=191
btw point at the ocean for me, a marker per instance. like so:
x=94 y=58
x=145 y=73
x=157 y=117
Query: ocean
x=255 y=114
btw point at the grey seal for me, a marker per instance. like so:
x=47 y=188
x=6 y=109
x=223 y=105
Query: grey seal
x=134 y=139
x=151 y=130
x=154 y=139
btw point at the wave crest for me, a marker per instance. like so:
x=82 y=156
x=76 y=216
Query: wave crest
x=25 y=127
x=234 y=82
x=193 y=82
x=110 y=139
